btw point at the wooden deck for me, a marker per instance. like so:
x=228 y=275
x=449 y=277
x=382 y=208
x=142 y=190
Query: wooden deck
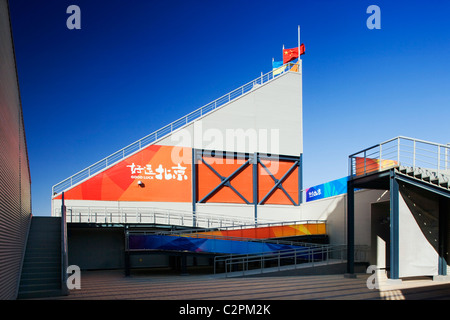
x=144 y=285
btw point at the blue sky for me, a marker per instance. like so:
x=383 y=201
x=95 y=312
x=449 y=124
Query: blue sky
x=136 y=66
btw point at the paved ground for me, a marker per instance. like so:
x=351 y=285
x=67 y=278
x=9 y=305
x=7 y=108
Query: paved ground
x=142 y=285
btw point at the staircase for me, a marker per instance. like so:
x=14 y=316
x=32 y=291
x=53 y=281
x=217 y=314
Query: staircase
x=41 y=270
x=438 y=179
x=423 y=160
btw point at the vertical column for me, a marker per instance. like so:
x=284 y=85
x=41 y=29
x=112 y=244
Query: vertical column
x=255 y=184
x=194 y=186
x=350 y=230
x=127 y=251
x=300 y=180
x=64 y=260
x=184 y=264
x=444 y=210
x=394 y=232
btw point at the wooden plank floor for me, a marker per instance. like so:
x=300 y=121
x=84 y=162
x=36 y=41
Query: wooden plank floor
x=113 y=285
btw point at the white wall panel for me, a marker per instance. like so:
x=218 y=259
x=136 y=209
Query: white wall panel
x=273 y=109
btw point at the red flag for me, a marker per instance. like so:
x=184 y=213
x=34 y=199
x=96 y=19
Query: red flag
x=291 y=54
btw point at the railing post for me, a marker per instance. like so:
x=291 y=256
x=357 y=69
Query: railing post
x=446 y=158
x=365 y=154
x=350 y=169
x=381 y=158
x=279 y=260
x=439 y=159
x=64 y=262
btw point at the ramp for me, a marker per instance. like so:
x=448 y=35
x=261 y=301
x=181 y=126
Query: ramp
x=204 y=245
x=244 y=239
x=270 y=230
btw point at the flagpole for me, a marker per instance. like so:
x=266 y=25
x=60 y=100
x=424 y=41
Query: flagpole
x=299 y=52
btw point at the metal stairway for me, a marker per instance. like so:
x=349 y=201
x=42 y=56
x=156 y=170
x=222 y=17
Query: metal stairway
x=41 y=270
x=426 y=175
x=419 y=159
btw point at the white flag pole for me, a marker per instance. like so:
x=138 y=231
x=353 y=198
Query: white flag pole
x=299 y=43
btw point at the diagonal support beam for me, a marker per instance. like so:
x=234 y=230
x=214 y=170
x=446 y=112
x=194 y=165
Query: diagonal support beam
x=225 y=181
x=278 y=183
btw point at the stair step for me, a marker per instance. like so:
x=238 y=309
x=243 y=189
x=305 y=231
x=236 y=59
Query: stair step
x=39 y=294
x=42 y=256
x=50 y=280
x=40 y=286
x=40 y=266
x=444 y=184
x=441 y=180
x=40 y=275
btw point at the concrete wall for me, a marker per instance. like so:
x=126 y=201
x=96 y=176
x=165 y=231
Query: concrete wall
x=418 y=232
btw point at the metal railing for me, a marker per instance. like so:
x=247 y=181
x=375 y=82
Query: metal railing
x=242 y=227
x=164 y=131
x=401 y=151
x=150 y=215
x=288 y=259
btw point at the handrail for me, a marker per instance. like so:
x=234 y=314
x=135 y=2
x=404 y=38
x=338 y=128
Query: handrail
x=404 y=138
x=164 y=131
x=104 y=214
x=325 y=252
x=243 y=226
x=400 y=151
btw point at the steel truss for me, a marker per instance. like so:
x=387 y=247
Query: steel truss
x=249 y=159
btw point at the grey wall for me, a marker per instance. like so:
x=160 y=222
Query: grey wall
x=15 y=192
x=96 y=248
x=418 y=232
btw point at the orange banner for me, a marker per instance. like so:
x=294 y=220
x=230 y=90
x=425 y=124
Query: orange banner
x=160 y=179
x=368 y=165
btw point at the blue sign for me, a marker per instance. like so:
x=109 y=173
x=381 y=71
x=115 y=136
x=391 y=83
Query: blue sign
x=328 y=189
